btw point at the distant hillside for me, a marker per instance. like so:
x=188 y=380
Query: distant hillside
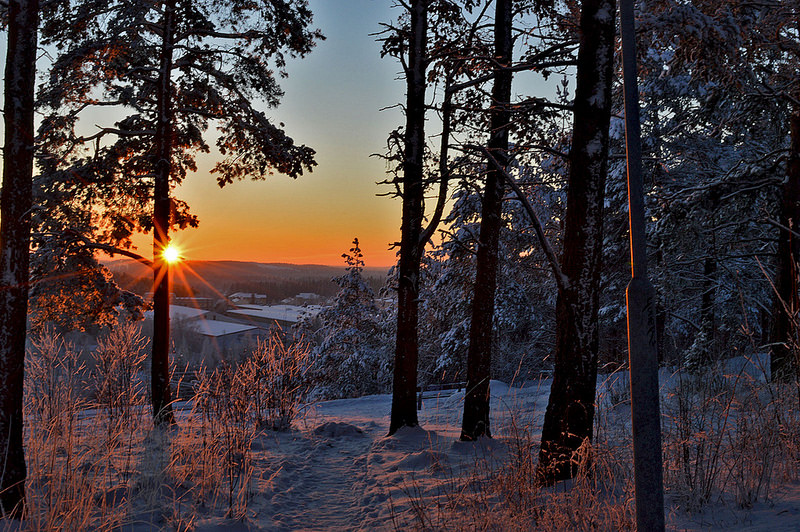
x=213 y=278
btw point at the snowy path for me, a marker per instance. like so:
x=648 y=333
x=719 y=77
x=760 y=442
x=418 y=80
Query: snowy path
x=318 y=482
x=339 y=471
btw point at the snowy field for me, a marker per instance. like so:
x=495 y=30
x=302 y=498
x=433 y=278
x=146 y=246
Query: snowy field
x=337 y=470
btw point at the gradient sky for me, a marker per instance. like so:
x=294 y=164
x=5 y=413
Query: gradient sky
x=332 y=103
x=335 y=101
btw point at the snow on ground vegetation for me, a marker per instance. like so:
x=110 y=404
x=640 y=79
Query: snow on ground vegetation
x=731 y=451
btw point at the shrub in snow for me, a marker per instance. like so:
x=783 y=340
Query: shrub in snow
x=276 y=376
x=227 y=433
x=729 y=434
x=266 y=389
x=118 y=360
x=54 y=381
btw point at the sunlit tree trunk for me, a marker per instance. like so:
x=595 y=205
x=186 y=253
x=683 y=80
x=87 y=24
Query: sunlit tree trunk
x=15 y=233
x=404 y=411
x=479 y=355
x=569 y=417
x=160 y=392
x=784 y=330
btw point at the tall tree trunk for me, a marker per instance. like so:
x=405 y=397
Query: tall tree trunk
x=479 y=355
x=404 y=386
x=16 y=200
x=160 y=392
x=569 y=417
x=707 y=308
x=784 y=331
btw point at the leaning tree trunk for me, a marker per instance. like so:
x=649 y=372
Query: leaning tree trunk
x=479 y=355
x=16 y=200
x=569 y=417
x=404 y=386
x=160 y=393
x=784 y=331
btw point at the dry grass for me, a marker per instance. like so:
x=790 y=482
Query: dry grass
x=96 y=463
x=729 y=437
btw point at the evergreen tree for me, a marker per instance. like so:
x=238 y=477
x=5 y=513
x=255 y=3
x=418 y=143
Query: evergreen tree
x=422 y=33
x=412 y=47
x=352 y=358
x=569 y=418
x=715 y=125
x=479 y=357
x=521 y=335
x=175 y=67
x=73 y=291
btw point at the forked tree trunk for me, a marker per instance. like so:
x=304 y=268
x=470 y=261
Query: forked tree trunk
x=160 y=393
x=569 y=417
x=404 y=385
x=784 y=331
x=16 y=201
x=479 y=355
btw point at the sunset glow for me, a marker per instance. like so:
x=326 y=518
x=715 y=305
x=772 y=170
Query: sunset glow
x=171 y=254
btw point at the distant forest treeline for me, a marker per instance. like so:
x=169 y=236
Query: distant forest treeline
x=277 y=290
x=221 y=278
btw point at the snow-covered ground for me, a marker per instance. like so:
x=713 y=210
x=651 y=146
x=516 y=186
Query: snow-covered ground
x=340 y=471
x=337 y=470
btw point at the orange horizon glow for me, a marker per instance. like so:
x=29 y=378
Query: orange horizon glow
x=298 y=248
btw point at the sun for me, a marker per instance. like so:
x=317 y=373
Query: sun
x=171 y=254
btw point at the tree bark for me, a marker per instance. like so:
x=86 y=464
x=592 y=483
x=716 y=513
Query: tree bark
x=708 y=309
x=16 y=200
x=570 y=411
x=784 y=331
x=479 y=354
x=404 y=385
x=160 y=392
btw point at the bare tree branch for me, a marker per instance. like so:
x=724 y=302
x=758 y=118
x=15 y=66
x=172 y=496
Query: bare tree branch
x=561 y=280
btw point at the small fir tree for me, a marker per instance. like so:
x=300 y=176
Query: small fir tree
x=352 y=357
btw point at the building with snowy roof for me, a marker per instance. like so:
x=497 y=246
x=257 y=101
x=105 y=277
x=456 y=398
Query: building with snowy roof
x=199 y=336
x=283 y=315
x=239 y=298
x=178 y=312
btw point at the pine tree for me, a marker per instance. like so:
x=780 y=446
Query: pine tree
x=421 y=33
x=716 y=120
x=479 y=357
x=176 y=67
x=404 y=405
x=522 y=334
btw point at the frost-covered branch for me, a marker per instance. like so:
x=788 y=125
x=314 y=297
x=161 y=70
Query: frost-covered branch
x=561 y=280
